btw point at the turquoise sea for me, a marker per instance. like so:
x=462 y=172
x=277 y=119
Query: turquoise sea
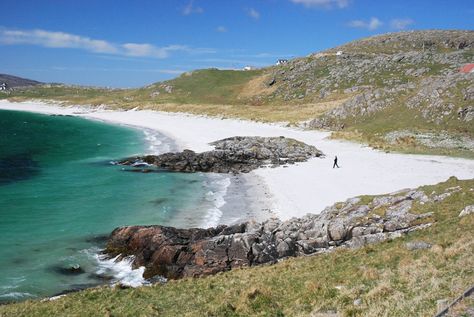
x=60 y=196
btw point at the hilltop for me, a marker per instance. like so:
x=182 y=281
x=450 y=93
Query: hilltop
x=398 y=91
x=15 y=82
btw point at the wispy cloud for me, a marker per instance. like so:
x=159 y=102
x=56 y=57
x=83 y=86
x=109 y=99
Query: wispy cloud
x=372 y=24
x=55 y=40
x=326 y=4
x=190 y=8
x=251 y=12
x=221 y=29
x=66 y=40
x=401 y=24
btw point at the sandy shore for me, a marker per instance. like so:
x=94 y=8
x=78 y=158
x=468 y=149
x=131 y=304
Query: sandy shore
x=298 y=189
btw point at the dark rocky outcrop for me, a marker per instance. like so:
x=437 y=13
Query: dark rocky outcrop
x=232 y=155
x=176 y=253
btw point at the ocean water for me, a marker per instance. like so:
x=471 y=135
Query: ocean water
x=60 y=196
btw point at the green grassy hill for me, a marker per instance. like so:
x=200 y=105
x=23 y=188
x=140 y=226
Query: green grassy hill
x=397 y=91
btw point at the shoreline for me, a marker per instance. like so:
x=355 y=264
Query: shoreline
x=301 y=188
x=228 y=204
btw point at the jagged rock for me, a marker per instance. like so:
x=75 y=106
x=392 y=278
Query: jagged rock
x=232 y=155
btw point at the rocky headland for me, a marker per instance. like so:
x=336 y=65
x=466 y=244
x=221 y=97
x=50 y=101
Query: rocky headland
x=176 y=253
x=232 y=155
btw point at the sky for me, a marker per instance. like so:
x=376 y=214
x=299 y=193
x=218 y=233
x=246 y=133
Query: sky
x=115 y=43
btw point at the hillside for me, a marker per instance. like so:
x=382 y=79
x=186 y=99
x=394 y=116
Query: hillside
x=405 y=276
x=15 y=82
x=397 y=91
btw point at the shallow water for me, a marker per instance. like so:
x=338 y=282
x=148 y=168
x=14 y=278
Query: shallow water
x=60 y=196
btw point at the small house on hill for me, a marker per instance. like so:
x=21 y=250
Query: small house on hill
x=3 y=86
x=281 y=62
x=468 y=68
x=339 y=53
x=248 y=68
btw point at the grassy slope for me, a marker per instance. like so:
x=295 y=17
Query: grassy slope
x=220 y=93
x=371 y=130
x=388 y=278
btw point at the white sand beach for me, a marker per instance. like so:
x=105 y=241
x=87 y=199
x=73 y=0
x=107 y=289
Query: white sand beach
x=298 y=189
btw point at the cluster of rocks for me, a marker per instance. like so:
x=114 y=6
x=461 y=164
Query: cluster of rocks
x=176 y=253
x=232 y=155
x=436 y=98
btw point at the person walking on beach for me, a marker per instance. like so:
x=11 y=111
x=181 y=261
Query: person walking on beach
x=335 y=162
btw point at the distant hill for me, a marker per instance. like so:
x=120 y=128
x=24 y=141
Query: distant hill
x=14 y=82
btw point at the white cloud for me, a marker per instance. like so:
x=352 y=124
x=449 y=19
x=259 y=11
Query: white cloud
x=190 y=8
x=221 y=29
x=253 y=13
x=372 y=24
x=55 y=39
x=401 y=24
x=327 y=4
x=66 y=40
x=148 y=50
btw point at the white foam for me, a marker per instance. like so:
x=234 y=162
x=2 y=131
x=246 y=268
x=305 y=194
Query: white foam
x=218 y=185
x=16 y=295
x=156 y=142
x=121 y=271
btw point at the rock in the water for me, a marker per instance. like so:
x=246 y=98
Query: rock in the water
x=74 y=269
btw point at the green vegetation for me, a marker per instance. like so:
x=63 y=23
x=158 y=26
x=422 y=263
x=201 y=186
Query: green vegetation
x=372 y=129
x=208 y=86
x=389 y=279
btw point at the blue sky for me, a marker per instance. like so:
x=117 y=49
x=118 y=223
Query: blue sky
x=134 y=43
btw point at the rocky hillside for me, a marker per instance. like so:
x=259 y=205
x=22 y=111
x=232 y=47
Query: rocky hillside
x=407 y=83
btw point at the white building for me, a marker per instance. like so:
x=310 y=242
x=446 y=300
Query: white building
x=3 y=86
x=339 y=53
x=281 y=62
x=248 y=68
